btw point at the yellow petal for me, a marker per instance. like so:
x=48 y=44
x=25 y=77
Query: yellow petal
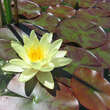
x=46 y=79
x=12 y=68
x=58 y=62
x=19 y=62
x=27 y=75
x=20 y=50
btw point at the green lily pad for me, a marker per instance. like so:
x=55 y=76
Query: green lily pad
x=46 y=21
x=84 y=33
x=82 y=3
x=6 y=34
x=99 y=16
x=61 y=11
x=28 y=9
x=103 y=54
x=47 y=2
x=6 y=52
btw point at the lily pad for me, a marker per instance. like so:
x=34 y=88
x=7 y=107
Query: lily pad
x=82 y=3
x=81 y=57
x=6 y=52
x=84 y=33
x=85 y=92
x=103 y=54
x=6 y=34
x=46 y=21
x=61 y=11
x=99 y=16
x=47 y=2
x=28 y=9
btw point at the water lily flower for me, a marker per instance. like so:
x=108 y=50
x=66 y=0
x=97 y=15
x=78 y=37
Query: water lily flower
x=37 y=58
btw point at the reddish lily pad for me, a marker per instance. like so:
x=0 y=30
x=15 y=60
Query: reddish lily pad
x=92 y=99
x=47 y=2
x=46 y=21
x=61 y=11
x=81 y=58
x=28 y=9
x=82 y=32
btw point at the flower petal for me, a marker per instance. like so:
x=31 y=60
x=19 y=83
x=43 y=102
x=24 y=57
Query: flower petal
x=46 y=38
x=46 y=79
x=49 y=67
x=11 y=67
x=33 y=37
x=58 y=62
x=26 y=39
x=19 y=62
x=60 y=54
x=56 y=44
x=27 y=75
x=20 y=50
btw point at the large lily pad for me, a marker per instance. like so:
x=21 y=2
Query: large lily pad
x=6 y=34
x=98 y=16
x=81 y=57
x=6 y=52
x=28 y=9
x=103 y=54
x=47 y=2
x=46 y=21
x=92 y=99
x=82 y=3
x=82 y=32
x=61 y=11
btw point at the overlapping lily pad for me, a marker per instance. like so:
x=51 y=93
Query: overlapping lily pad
x=103 y=54
x=98 y=16
x=98 y=99
x=61 y=11
x=6 y=34
x=81 y=57
x=86 y=34
x=28 y=9
x=6 y=52
x=47 y=2
x=82 y=3
x=46 y=21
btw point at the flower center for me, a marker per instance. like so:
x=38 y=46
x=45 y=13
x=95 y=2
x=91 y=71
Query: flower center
x=35 y=53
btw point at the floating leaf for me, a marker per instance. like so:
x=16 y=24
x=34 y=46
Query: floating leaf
x=99 y=16
x=47 y=2
x=81 y=57
x=28 y=9
x=5 y=33
x=82 y=32
x=103 y=54
x=6 y=52
x=46 y=21
x=61 y=11
x=91 y=86
x=82 y=3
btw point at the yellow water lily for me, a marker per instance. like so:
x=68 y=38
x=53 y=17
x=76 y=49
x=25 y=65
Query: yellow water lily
x=37 y=58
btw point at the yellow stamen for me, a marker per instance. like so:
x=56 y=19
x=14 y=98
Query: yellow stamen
x=35 y=53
